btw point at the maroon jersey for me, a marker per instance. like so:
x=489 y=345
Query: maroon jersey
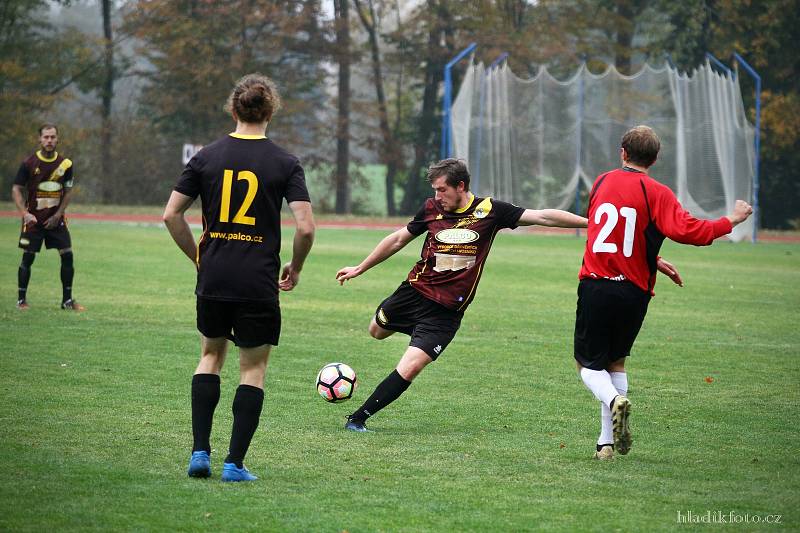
x=630 y=214
x=456 y=248
x=46 y=181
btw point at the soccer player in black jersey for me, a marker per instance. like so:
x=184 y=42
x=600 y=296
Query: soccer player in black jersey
x=429 y=304
x=41 y=191
x=242 y=180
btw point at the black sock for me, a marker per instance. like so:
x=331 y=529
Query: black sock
x=67 y=273
x=205 y=396
x=388 y=391
x=601 y=446
x=246 y=411
x=24 y=274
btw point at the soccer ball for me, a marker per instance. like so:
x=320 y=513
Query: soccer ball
x=336 y=382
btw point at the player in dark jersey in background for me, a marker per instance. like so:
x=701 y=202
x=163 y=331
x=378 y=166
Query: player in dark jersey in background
x=630 y=214
x=242 y=180
x=429 y=304
x=41 y=191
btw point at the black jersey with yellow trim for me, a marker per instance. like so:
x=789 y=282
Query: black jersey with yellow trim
x=46 y=180
x=242 y=181
x=456 y=247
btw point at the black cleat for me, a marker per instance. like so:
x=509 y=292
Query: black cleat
x=72 y=305
x=354 y=424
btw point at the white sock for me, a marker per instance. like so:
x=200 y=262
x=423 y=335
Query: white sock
x=599 y=382
x=620 y=382
x=606 y=433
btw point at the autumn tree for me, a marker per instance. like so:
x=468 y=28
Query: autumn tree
x=197 y=49
x=427 y=44
x=390 y=151
x=765 y=34
x=37 y=61
x=343 y=59
x=107 y=96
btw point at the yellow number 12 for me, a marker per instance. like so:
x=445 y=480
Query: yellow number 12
x=225 y=207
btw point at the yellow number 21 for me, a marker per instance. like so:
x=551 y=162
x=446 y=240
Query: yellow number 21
x=225 y=207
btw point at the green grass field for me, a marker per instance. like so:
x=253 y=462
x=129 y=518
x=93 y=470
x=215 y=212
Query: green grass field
x=496 y=436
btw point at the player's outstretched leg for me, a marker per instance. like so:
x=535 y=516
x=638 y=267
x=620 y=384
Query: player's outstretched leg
x=395 y=384
x=620 y=412
x=385 y=393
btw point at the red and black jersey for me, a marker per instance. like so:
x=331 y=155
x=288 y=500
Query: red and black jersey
x=456 y=248
x=242 y=181
x=630 y=214
x=46 y=180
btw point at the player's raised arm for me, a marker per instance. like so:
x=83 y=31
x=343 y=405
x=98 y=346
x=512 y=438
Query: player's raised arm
x=390 y=245
x=551 y=217
x=741 y=211
x=176 y=223
x=303 y=240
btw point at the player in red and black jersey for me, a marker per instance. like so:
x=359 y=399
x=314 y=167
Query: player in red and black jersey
x=630 y=215
x=429 y=304
x=242 y=180
x=42 y=190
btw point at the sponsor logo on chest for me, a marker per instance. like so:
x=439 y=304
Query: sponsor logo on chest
x=456 y=236
x=50 y=186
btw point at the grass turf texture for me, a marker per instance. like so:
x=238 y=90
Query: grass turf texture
x=497 y=435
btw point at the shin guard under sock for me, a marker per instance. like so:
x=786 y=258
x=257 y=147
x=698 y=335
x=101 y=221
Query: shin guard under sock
x=205 y=396
x=247 y=406
x=388 y=391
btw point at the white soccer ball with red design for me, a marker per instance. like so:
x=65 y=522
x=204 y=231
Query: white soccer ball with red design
x=336 y=382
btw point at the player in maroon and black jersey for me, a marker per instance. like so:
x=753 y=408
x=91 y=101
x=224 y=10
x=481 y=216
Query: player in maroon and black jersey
x=630 y=215
x=429 y=304
x=42 y=190
x=242 y=180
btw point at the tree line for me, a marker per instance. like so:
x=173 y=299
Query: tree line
x=361 y=80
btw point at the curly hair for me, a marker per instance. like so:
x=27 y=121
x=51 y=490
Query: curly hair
x=254 y=99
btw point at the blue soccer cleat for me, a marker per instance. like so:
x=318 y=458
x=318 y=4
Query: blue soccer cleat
x=230 y=472
x=354 y=424
x=200 y=464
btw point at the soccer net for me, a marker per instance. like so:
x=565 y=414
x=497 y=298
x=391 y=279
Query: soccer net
x=533 y=142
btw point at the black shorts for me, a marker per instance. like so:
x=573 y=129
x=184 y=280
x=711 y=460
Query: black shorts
x=431 y=325
x=31 y=238
x=247 y=324
x=608 y=319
